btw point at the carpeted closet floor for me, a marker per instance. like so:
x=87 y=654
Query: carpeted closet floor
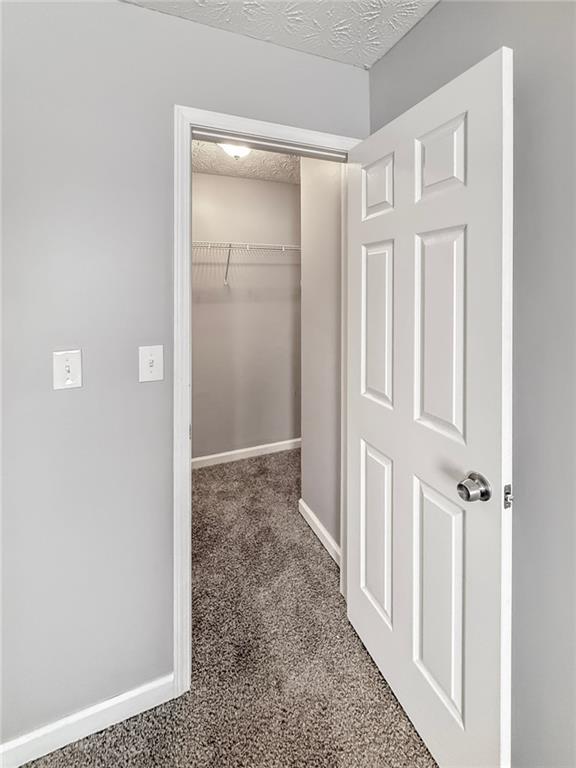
x=279 y=676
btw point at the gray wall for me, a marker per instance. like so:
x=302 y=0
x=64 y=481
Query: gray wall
x=451 y=38
x=321 y=264
x=88 y=94
x=246 y=335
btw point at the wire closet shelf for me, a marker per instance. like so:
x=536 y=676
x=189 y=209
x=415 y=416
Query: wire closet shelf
x=226 y=250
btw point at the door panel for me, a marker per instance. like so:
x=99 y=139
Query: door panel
x=377 y=338
x=439 y=594
x=377 y=187
x=439 y=312
x=376 y=522
x=429 y=399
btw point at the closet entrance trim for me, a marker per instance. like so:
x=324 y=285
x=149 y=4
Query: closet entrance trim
x=221 y=126
x=269 y=145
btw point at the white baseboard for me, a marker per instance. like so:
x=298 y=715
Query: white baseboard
x=245 y=453
x=74 y=727
x=332 y=548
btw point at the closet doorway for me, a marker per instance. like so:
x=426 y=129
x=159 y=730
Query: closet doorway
x=266 y=316
x=322 y=201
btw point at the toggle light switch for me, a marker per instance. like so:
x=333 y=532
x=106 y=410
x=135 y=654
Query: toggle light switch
x=151 y=363
x=67 y=369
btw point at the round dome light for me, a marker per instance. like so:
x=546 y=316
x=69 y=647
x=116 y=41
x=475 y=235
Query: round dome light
x=235 y=150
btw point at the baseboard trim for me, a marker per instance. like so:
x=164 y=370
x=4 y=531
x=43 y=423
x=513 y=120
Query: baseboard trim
x=74 y=727
x=332 y=548
x=245 y=453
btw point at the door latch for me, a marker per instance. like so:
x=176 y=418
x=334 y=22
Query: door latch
x=508 y=497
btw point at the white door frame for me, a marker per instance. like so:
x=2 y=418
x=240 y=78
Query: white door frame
x=185 y=119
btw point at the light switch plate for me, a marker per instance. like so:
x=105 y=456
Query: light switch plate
x=67 y=369
x=151 y=363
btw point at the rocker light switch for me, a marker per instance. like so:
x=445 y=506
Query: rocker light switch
x=67 y=369
x=151 y=363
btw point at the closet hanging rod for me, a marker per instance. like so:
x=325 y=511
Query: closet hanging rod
x=245 y=246
x=270 y=145
x=229 y=247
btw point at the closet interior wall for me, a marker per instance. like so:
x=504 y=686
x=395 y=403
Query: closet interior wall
x=245 y=335
x=321 y=201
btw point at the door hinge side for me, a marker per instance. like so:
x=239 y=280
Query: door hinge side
x=508 y=497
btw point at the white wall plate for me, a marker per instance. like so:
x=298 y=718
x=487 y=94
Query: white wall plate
x=151 y=363
x=67 y=369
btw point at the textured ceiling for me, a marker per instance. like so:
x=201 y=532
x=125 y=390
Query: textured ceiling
x=269 y=166
x=357 y=32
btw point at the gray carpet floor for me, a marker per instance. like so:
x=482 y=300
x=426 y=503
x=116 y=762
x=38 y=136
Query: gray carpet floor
x=280 y=678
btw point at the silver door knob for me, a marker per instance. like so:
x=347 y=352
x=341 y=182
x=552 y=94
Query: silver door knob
x=474 y=487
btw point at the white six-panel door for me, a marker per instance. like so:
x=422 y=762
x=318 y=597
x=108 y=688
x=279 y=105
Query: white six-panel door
x=429 y=399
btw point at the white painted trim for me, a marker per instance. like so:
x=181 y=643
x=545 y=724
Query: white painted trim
x=81 y=724
x=185 y=118
x=344 y=381
x=330 y=545
x=182 y=580
x=215 y=121
x=507 y=57
x=245 y=453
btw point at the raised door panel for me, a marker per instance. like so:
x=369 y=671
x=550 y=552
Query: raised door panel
x=376 y=530
x=441 y=158
x=377 y=320
x=378 y=187
x=439 y=594
x=439 y=396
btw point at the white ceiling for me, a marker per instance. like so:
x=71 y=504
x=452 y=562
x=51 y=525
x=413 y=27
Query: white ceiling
x=357 y=32
x=268 y=166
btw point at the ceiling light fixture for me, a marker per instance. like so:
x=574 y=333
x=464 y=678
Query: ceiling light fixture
x=235 y=150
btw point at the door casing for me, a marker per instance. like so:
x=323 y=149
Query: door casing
x=185 y=120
